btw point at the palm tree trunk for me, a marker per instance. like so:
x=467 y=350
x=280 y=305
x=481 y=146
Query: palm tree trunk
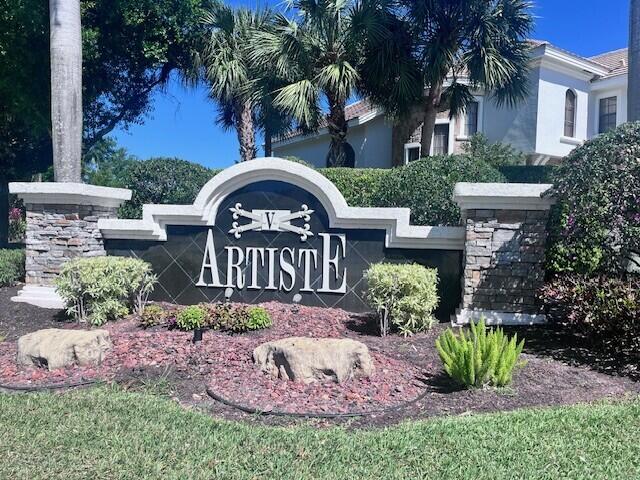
x=268 y=142
x=66 y=89
x=429 y=120
x=4 y=210
x=246 y=133
x=337 y=126
x=633 y=111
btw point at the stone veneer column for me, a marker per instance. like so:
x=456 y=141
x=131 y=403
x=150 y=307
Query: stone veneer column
x=62 y=223
x=503 y=260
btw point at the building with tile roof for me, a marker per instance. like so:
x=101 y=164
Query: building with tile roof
x=572 y=99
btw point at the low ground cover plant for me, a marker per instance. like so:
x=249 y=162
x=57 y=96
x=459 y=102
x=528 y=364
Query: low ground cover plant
x=404 y=296
x=153 y=315
x=238 y=318
x=11 y=266
x=482 y=357
x=193 y=317
x=104 y=288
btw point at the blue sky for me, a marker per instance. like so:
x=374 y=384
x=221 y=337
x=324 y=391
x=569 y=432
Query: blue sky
x=182 y=122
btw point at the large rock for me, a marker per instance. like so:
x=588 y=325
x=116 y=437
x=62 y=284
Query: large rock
x=56 y=348
x=307 y=360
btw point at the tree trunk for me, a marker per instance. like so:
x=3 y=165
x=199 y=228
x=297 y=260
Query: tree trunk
x=4 y=211
x=66 y=89
x=633 y=110
x=429 y=120
x=268 y=142
x=337 y=126
x=401 y=133
x=246 y=134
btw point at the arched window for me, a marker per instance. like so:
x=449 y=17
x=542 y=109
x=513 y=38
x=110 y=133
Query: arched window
x=570 y=114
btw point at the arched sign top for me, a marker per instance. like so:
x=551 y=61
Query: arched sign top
x=274 y=169
x=399 y=233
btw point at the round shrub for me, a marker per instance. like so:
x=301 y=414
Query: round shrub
x=426 y=186
x=163 y=181
x=258 y=318
x=596 y=223
x=191 y=318
x=403 y=295
x=104 y=288
x=11 y=266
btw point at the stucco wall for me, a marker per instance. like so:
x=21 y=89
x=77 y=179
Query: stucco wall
x=515 y=126
x=553 y=86
x=609 y=87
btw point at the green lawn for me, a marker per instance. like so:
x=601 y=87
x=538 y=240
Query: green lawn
x=105 y=433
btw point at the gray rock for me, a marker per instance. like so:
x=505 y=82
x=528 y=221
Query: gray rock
x=57 y=348
x=308 y=360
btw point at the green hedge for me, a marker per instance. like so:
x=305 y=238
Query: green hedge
x=11 y=266
x=528 y=173
x=424 y=186
x=163 y=181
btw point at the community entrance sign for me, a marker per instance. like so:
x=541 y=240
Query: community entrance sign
x=270 y=229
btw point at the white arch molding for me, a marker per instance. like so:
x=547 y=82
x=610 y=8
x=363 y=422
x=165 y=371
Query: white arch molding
x=395 y=221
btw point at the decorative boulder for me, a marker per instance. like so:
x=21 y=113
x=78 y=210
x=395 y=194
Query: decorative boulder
x=308 y=360
x=56 y=348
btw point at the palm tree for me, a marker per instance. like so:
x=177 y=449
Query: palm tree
x=634 y=62
x=231 y=76
x=66 y=89
x=321 y=56
x=482 y=41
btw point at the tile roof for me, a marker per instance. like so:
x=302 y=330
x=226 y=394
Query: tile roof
x=352 y=111
x=617 y=62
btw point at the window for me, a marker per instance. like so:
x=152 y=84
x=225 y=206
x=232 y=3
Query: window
x=471 y=120
x=608 y=114
x=570 y=114
x=411 y=152
x=441 y=139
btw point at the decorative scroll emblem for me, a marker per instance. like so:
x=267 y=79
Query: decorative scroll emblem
x=271 y=221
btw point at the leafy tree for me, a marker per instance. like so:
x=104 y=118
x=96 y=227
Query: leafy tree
x=107 y=165
x=480 y=41
x=322 y=55
x=130 y=48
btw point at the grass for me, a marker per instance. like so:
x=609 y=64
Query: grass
x=106 y=433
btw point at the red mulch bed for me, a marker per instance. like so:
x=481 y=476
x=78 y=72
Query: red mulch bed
x=405 y=368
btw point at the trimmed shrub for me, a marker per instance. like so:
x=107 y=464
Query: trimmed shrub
x=259 y=318
x=606 y=307
x=360 y=187
x=163 y=181
x=11 y=266
x=104 y=288
x=426 y=186
x=153 y=315
x=191 y=318
x=403 y=296
x=483 y=357
x=596 y=223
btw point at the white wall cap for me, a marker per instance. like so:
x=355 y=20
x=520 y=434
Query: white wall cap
x=395 y=221
x=64 y=193
x=492 y=317
x=503 y=196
